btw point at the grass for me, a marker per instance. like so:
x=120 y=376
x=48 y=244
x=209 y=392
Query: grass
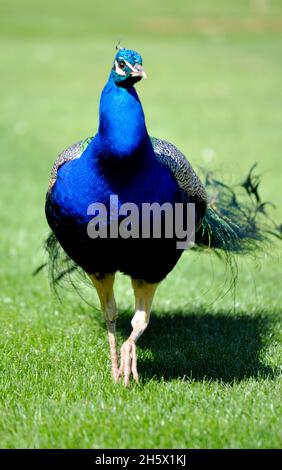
x=209 y=364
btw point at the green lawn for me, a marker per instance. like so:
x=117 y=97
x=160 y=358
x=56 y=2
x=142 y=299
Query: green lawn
x=209 y=363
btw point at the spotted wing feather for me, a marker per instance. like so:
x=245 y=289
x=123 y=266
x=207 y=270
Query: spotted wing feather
x=183 y=172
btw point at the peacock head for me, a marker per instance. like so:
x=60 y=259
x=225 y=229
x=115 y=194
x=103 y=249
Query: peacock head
x=127 y=67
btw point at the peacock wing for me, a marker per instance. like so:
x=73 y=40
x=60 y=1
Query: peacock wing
x=186 y=178
x=71 y=153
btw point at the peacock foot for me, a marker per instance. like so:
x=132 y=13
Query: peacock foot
x=128 y=362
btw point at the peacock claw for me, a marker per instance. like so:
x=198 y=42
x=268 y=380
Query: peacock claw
x=128 y=362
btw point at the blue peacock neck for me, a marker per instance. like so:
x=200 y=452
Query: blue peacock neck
x=122 y=129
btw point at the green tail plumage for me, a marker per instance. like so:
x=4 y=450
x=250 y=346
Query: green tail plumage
x=59 y=264
x=234 y=224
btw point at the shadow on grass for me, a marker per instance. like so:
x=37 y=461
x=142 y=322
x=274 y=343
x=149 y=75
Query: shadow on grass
x=202 y=346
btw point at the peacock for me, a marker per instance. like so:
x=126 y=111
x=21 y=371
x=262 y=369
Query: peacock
x=122 y=162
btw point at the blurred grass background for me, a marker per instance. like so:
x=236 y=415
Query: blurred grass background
x=210 y=374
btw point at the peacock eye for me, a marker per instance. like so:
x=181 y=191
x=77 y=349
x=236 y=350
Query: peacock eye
x=122 y=64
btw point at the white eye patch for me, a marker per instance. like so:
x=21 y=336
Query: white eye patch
x=130 y=66
x=119 y=71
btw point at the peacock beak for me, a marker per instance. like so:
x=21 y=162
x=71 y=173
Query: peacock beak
x=138 y=71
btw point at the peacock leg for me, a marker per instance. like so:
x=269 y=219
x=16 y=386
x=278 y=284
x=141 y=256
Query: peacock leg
x=104 y=286
x=144 y=294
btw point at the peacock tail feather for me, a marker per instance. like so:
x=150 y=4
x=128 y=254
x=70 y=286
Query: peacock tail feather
x=234 y=223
